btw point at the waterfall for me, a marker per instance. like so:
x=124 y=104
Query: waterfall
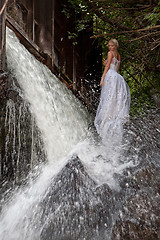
x=83 y=190
x=60 y=118
x=23 y=148
x=51 y=103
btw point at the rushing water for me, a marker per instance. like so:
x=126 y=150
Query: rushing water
x=52 y=105
x=65 y=202
x=23 y=148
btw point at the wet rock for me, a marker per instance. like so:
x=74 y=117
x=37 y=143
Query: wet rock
x=19 y=136
x=3 y=84
x=149 y=177
x=143 y=135
x=131 y=231
x=144 y=177
x=72 y=207
x=104 y=192
x=7 y=90
x=144 y=208
x=139 y=213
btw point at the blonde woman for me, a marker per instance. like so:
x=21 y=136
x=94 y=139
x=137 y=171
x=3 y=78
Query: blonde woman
x=113 y=109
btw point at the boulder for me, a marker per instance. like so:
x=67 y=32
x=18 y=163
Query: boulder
x=128 y=230
x=72 y=209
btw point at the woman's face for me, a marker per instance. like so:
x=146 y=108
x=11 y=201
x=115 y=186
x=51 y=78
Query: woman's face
x=111 y=46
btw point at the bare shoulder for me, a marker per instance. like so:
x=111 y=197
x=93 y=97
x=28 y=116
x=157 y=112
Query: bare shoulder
x=110 y=54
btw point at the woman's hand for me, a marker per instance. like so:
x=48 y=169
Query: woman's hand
x=104 y=61
x=101 y=82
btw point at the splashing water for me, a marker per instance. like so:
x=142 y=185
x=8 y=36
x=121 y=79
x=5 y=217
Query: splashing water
x=63 y=124
x=60 y=117
x=53 y=106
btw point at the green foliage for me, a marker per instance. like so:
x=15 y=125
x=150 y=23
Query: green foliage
x=127 y=21
x=141 y=102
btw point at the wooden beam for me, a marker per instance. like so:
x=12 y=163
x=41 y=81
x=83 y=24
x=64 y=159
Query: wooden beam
x=53 y=32
x=2 y=33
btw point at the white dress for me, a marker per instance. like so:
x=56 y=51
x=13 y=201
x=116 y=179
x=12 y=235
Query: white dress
x=113 y=109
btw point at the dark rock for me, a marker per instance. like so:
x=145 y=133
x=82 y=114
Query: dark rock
x=72 y=207
x=139 y=213
x=7 y=90
x=18 y=132
x=144 y=177
x=75 y=208
x=143 y=207
x=3 y=84
x=131 y=231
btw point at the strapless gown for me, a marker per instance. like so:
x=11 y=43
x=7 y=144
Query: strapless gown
x=113 y=109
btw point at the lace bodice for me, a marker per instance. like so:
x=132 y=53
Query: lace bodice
x=114 y=64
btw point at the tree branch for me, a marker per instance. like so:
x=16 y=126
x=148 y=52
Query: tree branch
x=109 y=20
x=124 y=32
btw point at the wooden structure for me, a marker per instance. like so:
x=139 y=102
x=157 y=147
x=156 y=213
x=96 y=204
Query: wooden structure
x=43 y=28
x=2 y=33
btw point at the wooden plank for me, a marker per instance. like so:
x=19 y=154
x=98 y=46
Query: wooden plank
x=33 y=49
x=53 y=50
x=2 y=33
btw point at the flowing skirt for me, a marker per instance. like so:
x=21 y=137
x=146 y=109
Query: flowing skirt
x=113 y=109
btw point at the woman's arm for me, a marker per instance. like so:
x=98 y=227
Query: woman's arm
x=107 y=66
x=119 y=59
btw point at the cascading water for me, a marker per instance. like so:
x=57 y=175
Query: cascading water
x=80 y=192
x=52 y=105
x=58 y=114
x=23 y=147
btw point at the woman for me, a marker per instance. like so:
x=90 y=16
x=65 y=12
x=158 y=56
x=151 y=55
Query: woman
x=113 y=109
